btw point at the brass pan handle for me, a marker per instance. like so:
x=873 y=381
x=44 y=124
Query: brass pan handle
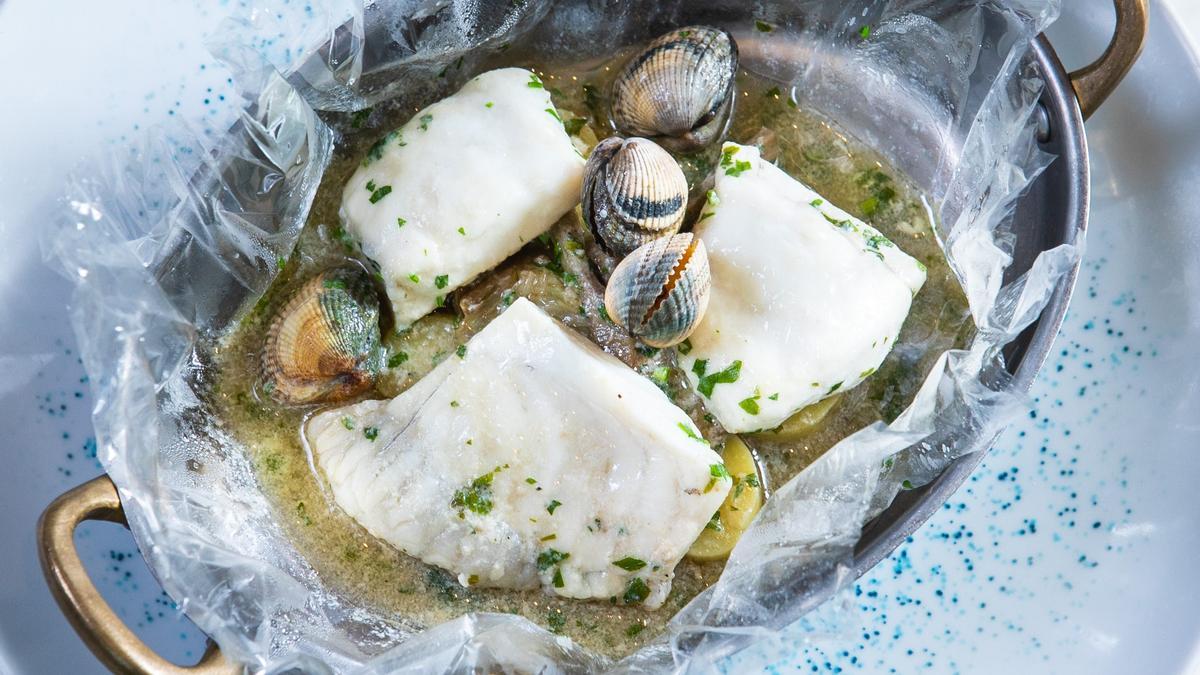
x=104 y=633
x=1095 y=82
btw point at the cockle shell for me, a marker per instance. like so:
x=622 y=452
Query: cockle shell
x=660 y=291
x=323 y=345
x=633 y=193
x=679 y=89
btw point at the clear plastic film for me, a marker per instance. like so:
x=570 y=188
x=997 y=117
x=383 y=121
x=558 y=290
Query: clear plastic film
x=168 y=249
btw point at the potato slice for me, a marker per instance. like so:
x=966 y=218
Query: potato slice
x=802 y=423
x=739 y=508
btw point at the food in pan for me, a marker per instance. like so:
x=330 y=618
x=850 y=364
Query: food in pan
x=546 y=344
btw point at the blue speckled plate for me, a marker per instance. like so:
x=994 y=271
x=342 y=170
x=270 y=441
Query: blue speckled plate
x=1072 y=549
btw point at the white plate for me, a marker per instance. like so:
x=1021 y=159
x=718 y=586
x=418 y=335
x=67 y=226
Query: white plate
x=1072 y=549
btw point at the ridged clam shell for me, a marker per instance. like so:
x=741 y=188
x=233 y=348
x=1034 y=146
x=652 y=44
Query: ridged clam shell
x=633 y=193
x=679 y=88
x=323 y=344
x=660 y=291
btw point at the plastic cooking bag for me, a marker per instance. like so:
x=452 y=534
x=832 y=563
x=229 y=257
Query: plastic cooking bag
x=168 y=250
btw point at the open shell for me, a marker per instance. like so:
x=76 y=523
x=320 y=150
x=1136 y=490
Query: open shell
x=633 y=193
x=679 y=89
x=660 y=291
x=323 y=345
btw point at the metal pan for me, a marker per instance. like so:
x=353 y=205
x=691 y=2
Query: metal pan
x=1054 y=211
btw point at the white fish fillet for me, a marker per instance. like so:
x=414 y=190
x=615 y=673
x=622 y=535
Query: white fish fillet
x=585 y=458
x=460 y=187
x=806 y=297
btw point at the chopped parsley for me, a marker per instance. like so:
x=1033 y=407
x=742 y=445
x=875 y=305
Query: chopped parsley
x=535 y=82
x=554 y=504
x=441 y=280
x=558 y=580
x=348 y=423
x=461 y=351
x=907 y=485
x=774 y=397
x=554 y=114
x=634 y=629
x=712 y=197
x=816 y=203
x=716 y=472
x=700 y=367
x=878 y=185
x=375 y=152
x=549 y=537
x=741 y=482
x=727 y=376
x=733 y=167
x=773 y=92
x=531 y=480
x=554 y=618
x=715 y=523
x=396 y=359
x=866 y=373
x=750 y=405
x=378 y=193
x=573 y=126
x=636 y=592
x=476 y=497
x=280 y=262
x=454 y=404
x=425 y=120
x=371 y=433
x=488 y=104
x=302 y=512
x=508 y=298
x=549 y=558
x=763 y=26
x=834 y=388
x=473 y=579
x=865 y=31
x=415 y=278
x=630 y=564
x=659 y=375
x=359 y=116
x=684 y=347
x=400 y=222
x=692 y=434
x=462 y=231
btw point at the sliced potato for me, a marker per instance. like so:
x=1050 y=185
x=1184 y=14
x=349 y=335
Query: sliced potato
x=803 y=422
x=740 y=506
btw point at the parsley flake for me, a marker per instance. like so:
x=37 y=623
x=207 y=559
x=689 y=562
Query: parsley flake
x=727 y=376
x=554 y=114
x=750 y=405
x=348 y=423
x=535 y=82
x=554 y=504
x=763 y=26
x=461 y=351
x=416 y=279
x=441 y=280
x=692 y=434
x=476 y=496
x=380 y=193
x=371 y=433
x=396 y=359
x=630 y=564
x=549 y=558
x=636 y=592
x=425 y=120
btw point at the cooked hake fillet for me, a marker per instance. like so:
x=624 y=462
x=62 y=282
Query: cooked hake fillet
x=531 y=458
x=460 y=187
x=806 y=299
